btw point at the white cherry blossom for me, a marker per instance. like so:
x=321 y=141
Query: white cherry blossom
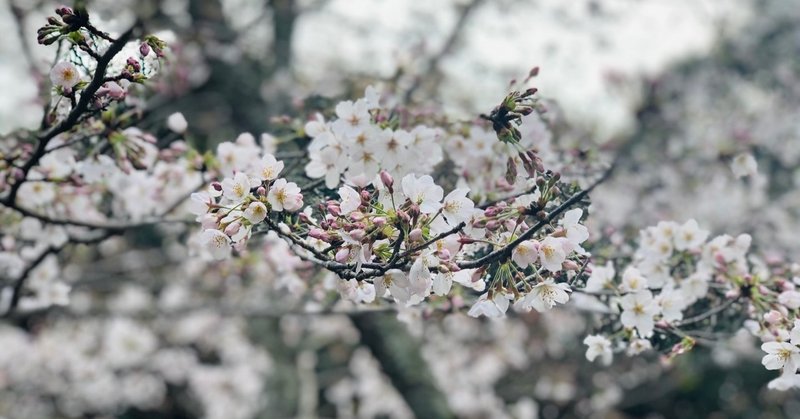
x=423 y=192
x=598 y=346
x=639 y=310
x=545 y=295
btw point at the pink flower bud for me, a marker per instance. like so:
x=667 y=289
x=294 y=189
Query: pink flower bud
x=232 y=228
x=444 y=254
x=492 y=211
x=342 y=255
x=404 y=216
x=365 y=195
x=570 y=265
x=413 y=210
x=387 y=181
x=334 y=209
x=144 y=49
x=358 y=234
x=64 y=10
x=492 y=225
x=319 y=234
x=786 y=285
x=134 y=63
x=466 y=240
x=356 y=216
x=732 y=293
x=415 y=234
x=379 y=221
x=261 y=191
x=773 y=316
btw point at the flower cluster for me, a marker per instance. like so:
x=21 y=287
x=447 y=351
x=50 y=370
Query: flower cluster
x=530 y=281
x=405 y=240
x=675 y=270
x=228 y=210
x=364 y=139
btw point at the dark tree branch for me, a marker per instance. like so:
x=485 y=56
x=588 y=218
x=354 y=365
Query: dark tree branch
x=75 y=114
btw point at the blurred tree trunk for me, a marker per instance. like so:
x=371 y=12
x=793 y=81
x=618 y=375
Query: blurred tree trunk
x=284 y=14
x=400 y=357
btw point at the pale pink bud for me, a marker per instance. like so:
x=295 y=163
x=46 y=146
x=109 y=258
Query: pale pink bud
x=444 y=254
x=232 y=228
x=261 y=191
x=319 y=234
x=415 y=234
x=342 y=255
x=144 y=49
x=334 y=209
x=466 y=240
x=492 y=211
x=387 y=181
x=786 y=285
x=404 y=216
x=732 y=293
x=413 y=210
x=379 y=221
x=357 y=234
x=773 y=316
x=570 y=265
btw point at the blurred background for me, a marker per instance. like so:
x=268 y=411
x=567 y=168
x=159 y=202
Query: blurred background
x=690 y=83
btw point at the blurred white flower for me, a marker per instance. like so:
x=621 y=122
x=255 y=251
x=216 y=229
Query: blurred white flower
x=744 y=165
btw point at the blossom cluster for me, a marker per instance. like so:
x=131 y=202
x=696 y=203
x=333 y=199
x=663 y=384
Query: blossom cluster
x=364 y=139
x=405 y=240
x=228 y=210
x=675 y=270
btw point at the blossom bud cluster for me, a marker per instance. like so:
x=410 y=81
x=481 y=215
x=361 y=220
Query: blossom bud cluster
x=389 y=230
x=228 y=210
x=676 y=276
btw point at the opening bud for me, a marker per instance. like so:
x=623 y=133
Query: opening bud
x=387 y=181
